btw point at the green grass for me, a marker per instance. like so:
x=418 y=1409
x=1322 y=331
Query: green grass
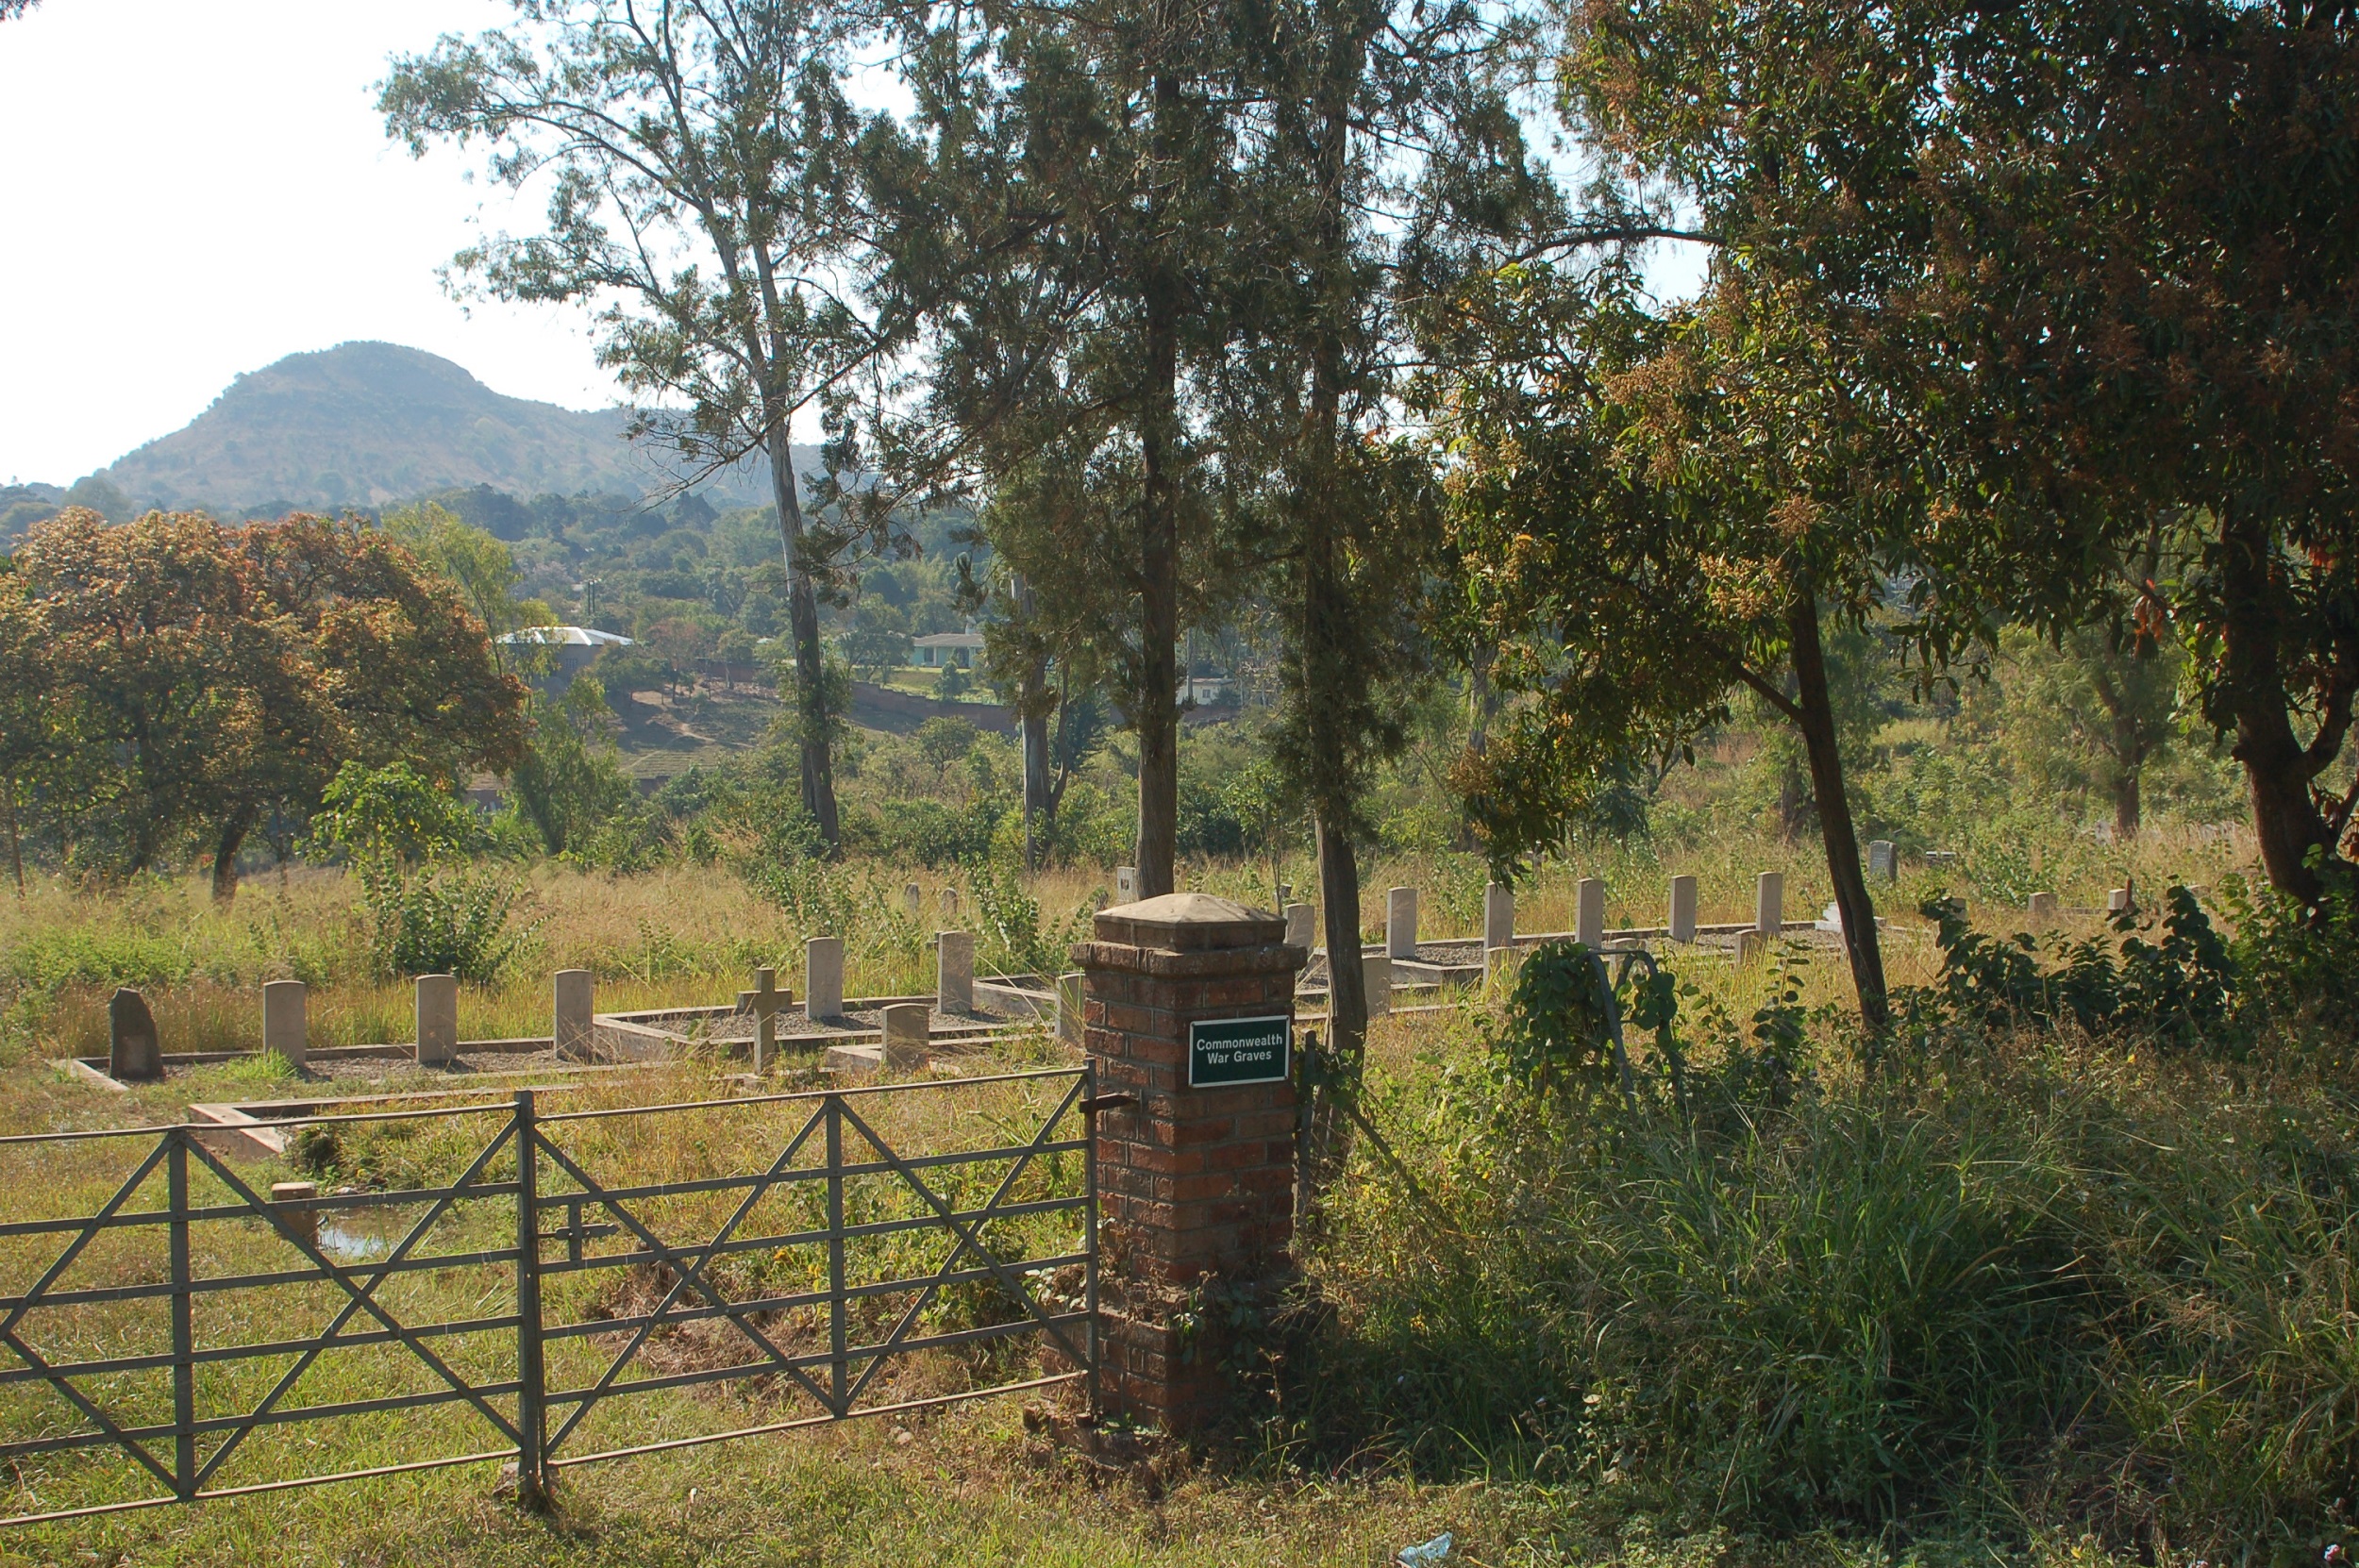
x=2045 y=1300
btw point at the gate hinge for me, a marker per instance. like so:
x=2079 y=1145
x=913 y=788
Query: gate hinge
x=1096 y=1103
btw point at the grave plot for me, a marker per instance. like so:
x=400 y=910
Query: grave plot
x=963 y=1017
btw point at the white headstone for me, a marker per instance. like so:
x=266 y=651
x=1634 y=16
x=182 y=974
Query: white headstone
x=1682 y=908
x=1401 y=923
x=438 y=1020
x=1499 y=915
x=1126 y=884
x=2119 y=899
x=954 y=971
x=1301 y=925
x=1376 y=973
x=573 y=1014
x=285 y=1025
x=1769 y=903
x=1883 y=860
x=906 y=1031
x=2043 y=910
x=1750 y=946
x=823 y=977
x=1589 y=914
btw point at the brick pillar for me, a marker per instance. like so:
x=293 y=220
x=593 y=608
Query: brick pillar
x=1196 y=1179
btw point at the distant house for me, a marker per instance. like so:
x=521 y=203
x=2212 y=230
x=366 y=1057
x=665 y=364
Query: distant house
x=573 y=647
x=938 y=650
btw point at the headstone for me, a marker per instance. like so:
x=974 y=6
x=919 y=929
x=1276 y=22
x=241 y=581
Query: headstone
x=438 y=1020
x=1499 y=915
x=1883 y=860
x=1750 y=946
x=823 y=977
x=2043 y=910
x=1126 y=884
x=1940 y=859
x=1376 y=974
x=306 y=1221
x=767 y=1000
x=1589 y=914
x=1682 y=908
x=954 y=971
x=2120 y=901
x=1769 y=903
x=949 y=903
x=132 y=1053
x=285 y=1027
x=1301 y=925
x=573 y=1014
x=913 y=897
x=908 y=1028
x=1401 y=923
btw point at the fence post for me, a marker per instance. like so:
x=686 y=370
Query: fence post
x=839 y=1367
x=183 y=1322
x=532 y=1490
x=1088 y=1264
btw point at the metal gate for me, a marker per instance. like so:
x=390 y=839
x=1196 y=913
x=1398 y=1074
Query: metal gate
x=822 y=1267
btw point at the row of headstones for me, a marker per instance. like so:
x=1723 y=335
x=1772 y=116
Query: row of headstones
x=954 y=973
x=1499 y=915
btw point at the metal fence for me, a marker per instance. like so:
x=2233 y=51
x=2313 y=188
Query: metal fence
x=820 y=1262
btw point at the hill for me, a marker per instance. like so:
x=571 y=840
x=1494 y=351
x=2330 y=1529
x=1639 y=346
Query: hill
x=367 y=424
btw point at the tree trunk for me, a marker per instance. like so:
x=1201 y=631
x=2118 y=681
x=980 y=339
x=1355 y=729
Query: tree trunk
x=1035 y=722
x=2278 y=770
x=225 y=848
x=1156 y=703
x=2128 y=762
x=1834 y=809
x=16 y=848
x=813 y=721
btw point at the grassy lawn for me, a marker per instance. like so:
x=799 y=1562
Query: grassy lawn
x=1463 y=1324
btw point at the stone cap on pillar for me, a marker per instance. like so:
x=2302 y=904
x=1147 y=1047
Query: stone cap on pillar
x=1189 y=923
x=1189 y=933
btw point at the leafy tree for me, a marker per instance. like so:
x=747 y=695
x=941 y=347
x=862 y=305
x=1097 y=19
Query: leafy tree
x=696 y=156
x=1055 y=214
x=482 y=567
x=567 y=784
x=229 y=673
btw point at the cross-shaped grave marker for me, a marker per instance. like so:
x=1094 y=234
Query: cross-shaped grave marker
x=767 y=997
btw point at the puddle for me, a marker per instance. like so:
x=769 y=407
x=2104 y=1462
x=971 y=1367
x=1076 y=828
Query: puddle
x=355 y=1239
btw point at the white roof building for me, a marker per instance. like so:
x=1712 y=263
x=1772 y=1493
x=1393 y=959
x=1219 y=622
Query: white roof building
x=568 y=636
x=937 y=649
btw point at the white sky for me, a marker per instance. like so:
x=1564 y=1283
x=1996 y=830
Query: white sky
x=190 y=189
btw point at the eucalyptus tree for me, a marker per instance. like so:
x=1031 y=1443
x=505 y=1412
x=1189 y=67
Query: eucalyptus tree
x=1384 y=171
x=694 y=156
x=1055 y=212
